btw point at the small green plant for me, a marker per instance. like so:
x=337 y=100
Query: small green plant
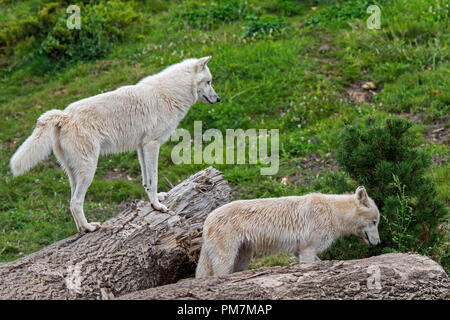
x=265 y=26
x=289 y=7
x=340 y=13
x=265 y=260
x=207 y=15
x=401 y=221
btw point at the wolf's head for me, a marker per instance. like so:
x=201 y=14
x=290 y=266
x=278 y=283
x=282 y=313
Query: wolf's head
x=203 y=79
x=367 y=217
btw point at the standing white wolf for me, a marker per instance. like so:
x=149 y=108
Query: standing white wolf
x=137 y=117
x=301 y=225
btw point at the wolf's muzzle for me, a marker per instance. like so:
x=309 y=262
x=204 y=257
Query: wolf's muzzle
x=368 y=239
x=209 y=101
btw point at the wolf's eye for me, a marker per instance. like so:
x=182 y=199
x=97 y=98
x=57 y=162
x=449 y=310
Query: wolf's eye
x=375 y=223
x=209 y=83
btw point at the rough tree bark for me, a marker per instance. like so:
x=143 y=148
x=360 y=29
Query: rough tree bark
x=138 y=249
x=388 y=276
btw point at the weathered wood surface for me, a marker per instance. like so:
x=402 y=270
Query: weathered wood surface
x=388 y=276
x=138 y=249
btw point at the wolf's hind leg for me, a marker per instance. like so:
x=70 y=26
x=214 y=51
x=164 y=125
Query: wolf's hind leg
x=59 y=154
x=69 y=171
x=222 y=267
x=140 y=153
x=204 y=267
x=83 y=176
x=223 y=260
x=72 y=181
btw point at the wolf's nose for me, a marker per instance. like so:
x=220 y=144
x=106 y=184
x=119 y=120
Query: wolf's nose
x=218 y=99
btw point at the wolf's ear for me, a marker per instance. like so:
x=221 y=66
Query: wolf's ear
x=361 y=196
x=201 y=63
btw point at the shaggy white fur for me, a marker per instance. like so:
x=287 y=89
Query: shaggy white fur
x=137 y=117
x=301 y=225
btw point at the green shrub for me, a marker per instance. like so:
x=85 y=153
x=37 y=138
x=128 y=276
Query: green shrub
x=402 y=219
x=45 y=34
x=265 y=26
x=289 y=7
x=207 y=15
x=341 y=12
x=18 y=29
x=101 y=26
x=384 y=158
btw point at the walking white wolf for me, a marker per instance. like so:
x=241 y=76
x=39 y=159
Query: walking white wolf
x=301 y=225
x=137 y=117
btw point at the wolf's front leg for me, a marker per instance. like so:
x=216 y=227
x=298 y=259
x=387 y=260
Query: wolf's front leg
x=148 y=158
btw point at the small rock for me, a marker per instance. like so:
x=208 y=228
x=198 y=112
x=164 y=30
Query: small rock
x=438 y=130
x=369 y=86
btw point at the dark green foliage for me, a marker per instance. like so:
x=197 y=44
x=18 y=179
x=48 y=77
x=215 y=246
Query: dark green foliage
x=383 y=156
x=265 y=26
x=101 y=25
x=44 y=34
x=289 y=7
x=206 y=16
x=341 y=12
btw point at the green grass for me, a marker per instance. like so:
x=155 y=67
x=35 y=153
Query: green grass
x=266 y=79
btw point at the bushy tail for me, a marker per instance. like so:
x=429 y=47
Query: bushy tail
x=38 y=146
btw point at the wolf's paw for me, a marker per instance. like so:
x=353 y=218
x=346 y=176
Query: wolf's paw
x=159 y=206
x=162 y=196
x=90 y=227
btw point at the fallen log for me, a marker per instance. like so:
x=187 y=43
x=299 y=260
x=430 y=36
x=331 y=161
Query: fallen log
x=137 y=249
x=388 y=276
